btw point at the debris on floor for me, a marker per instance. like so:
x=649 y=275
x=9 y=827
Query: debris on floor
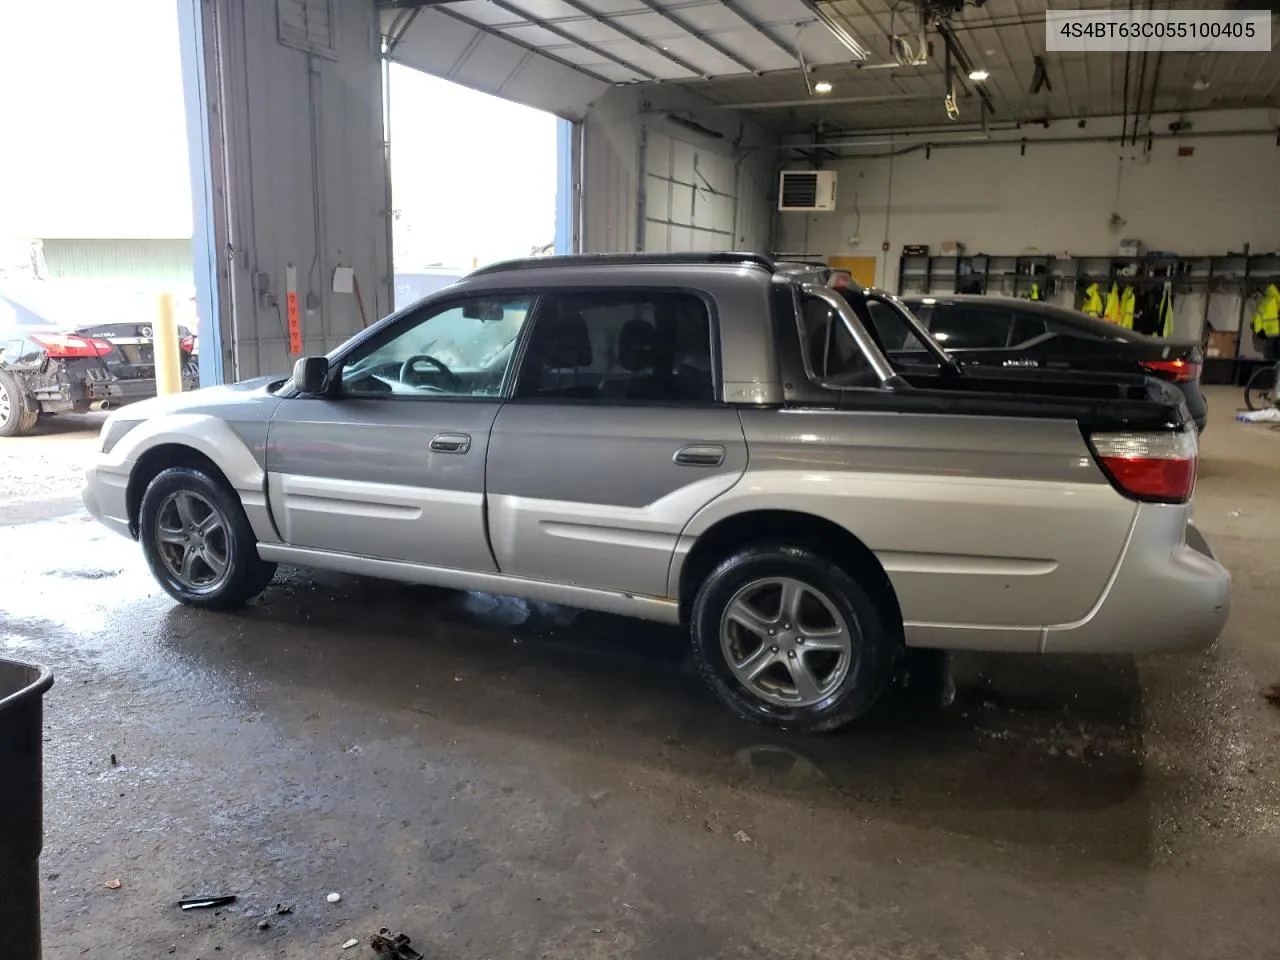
x=282 y=909
x=204 y=903
x=264 y=924
x=334 y=897
x=1265 y=415
x=1272 y=694
x=742 y=836
x=394 y=945
x=113 y=884
x=353 y=942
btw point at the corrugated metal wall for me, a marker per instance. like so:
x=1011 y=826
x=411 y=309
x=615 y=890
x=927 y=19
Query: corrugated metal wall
x=157 y=262
x=298 y=178
x=651 y=182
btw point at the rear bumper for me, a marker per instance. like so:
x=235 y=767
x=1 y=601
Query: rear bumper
x=1197 y=405
x=1167 y=594
x=75 y=385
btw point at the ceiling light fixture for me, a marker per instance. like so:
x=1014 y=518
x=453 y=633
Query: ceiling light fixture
x=978 y=75
x=822 y=86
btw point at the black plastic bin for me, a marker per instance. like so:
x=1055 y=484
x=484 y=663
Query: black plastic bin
x=22 y=688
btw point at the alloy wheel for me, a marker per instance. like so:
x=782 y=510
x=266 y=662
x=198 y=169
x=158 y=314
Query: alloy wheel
x=786 y=641
x=192 y=539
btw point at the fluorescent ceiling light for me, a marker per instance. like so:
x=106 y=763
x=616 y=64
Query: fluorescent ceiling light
x=822 y=86
x=978 y=75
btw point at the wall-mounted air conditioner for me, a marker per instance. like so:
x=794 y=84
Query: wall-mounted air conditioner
x=812 y=190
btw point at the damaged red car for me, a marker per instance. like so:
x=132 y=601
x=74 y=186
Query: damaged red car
x=50 y=368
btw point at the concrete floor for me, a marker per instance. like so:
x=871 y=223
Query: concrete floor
x=503 y=781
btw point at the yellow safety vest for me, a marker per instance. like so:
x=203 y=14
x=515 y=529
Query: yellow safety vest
x=1112 y=311
x=1034 y=292
x=1092 y=301
x=1166 y=312
x=1266 y=316
x=1127 y=300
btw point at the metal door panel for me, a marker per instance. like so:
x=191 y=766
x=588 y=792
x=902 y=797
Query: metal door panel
x=592 y=495
x=390 y=479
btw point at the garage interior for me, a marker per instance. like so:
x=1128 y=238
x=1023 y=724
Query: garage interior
x=502 y=778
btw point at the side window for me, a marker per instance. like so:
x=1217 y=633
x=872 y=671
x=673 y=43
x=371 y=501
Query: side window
x=833 y=353
x=456 y=350
x=961 y=327
x=615 y=347
x=891 y=330
x=1025 y=329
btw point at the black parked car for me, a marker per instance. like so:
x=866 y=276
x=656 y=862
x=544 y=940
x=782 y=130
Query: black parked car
x=1005 y=331
x=47 y=367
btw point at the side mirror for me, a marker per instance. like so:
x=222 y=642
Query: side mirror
x=311 y=375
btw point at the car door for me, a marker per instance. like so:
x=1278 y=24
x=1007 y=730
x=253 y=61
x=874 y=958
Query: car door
x=614 y=438
x=390 y=463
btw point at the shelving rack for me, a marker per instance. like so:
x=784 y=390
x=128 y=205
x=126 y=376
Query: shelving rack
x=1064 y=279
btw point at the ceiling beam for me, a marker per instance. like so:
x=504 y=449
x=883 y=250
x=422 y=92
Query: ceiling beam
x=737 y=11
x=634 y=37
x=837 y=29
x=829 y=101
x=569 y=38
x=671 y=17
x=490 y=31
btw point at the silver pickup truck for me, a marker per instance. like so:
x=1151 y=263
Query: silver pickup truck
x=713 y=440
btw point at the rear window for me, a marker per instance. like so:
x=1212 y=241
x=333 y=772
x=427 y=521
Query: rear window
x=1029 y=323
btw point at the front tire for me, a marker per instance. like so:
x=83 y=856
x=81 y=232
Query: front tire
x=788 y=638
x=18 y=414
x=198 y=541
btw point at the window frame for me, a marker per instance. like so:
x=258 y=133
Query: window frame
x=397 y=325
x=551 y=295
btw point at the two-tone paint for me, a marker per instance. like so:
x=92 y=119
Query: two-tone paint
x=988 y=514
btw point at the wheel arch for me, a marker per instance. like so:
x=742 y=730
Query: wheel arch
x=154 y=461
x=734 y=532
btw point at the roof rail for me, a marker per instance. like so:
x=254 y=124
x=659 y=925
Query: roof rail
x=625 y=259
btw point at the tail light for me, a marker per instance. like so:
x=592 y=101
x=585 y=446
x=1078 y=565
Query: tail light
x=68 y=345
x=187 y=344
x=1179 y=370
x=1154 y=467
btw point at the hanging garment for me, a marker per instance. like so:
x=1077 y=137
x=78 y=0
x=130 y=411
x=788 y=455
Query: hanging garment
x=1164 y=314
x=1092 y=301
x=1112 y=311
x=1033 y=293
x=1128 y=301
x=1266 y=315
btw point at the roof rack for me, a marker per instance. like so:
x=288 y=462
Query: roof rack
x=626 y=259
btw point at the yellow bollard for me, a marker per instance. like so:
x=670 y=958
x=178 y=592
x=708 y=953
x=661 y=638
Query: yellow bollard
x=165 y=347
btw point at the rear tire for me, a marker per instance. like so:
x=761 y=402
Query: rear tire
x=198 y=541
x=1259 y=392
x=18 y=414
x=787 y=638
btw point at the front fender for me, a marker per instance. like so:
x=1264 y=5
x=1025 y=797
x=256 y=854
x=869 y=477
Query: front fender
x=239 y=458
x=209 y=435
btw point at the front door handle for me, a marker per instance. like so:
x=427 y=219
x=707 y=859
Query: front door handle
x=450 y=443
x=700 y=455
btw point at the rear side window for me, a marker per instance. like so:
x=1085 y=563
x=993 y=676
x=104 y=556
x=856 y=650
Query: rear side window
x=1025 y=329
x=891 y=331
x=962 y=327
x=652 y=346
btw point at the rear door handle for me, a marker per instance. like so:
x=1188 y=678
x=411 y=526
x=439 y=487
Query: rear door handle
x=450 y=443
x=700 y=455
